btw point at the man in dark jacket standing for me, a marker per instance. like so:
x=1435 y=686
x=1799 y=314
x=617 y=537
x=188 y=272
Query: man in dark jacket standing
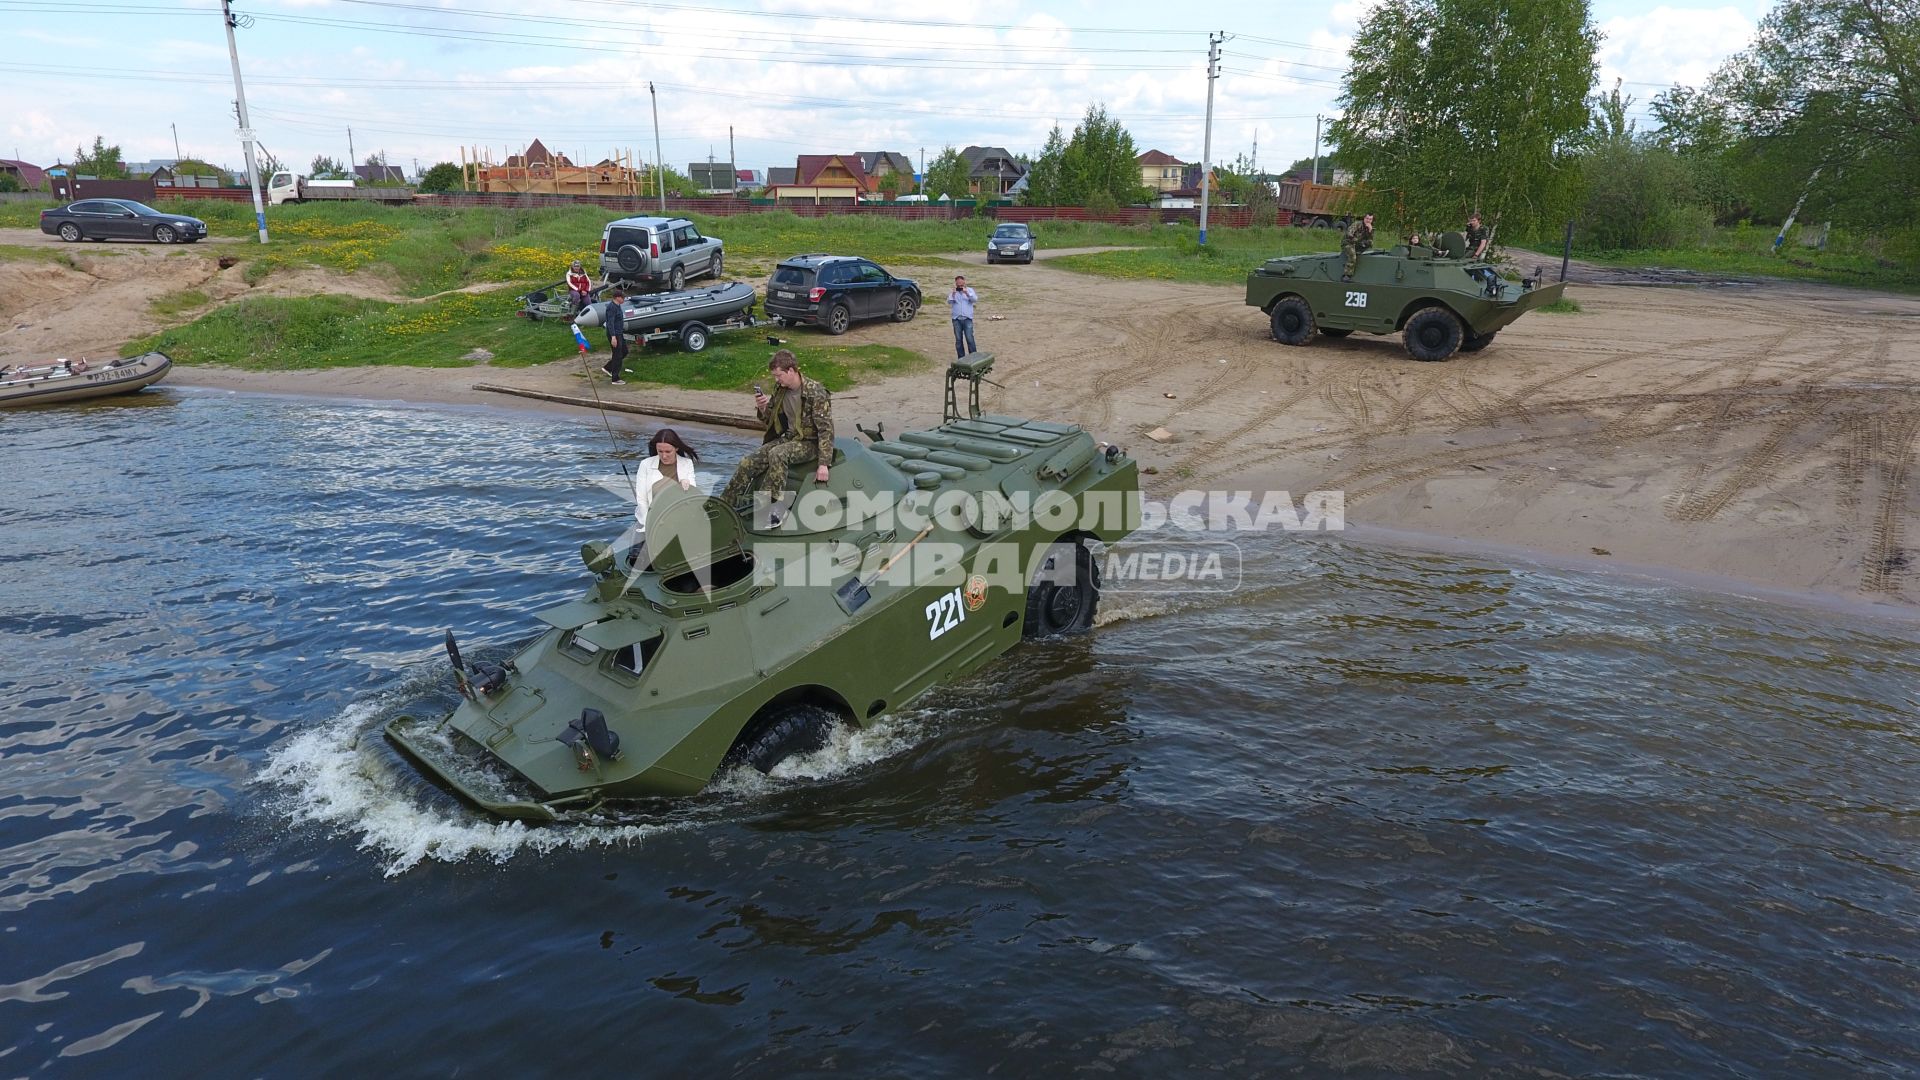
x=615 y=320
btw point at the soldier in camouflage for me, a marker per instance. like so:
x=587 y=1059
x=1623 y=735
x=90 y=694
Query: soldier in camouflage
x=1359 y=238
x=799 y=429
x=1478 y=237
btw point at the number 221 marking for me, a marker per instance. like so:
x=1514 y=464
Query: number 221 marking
x=945 y=613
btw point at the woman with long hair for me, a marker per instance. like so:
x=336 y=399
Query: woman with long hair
x=671 y=462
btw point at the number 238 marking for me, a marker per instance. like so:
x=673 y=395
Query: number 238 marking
x=1356 y=299
x=945 y=613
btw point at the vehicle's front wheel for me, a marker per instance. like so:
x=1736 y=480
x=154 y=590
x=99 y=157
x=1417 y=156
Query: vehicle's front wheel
x=693 y=336
x=719 y=265
x=1292 y=321
x=839 y=319
x=70 y=232
x=790 y=732
x=906 y=309
x=163 y=234
x=1432 y=333
x=1065 y=593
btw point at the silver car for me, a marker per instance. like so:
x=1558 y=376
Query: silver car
x=658 y=251
x=1010 y=243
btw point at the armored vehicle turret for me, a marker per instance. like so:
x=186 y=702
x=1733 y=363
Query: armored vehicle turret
x=734 y=639
x=1439 y=302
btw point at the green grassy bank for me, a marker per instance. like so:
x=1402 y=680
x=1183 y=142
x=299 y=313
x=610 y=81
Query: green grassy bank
x=305 y=333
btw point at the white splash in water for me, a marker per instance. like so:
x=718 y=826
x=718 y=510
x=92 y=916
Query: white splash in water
x=330 y=781
x=848 y=749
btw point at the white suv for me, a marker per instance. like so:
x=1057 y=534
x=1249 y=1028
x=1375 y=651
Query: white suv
x=656 y=251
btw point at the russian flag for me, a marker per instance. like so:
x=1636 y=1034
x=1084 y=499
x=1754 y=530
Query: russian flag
x=581 y=338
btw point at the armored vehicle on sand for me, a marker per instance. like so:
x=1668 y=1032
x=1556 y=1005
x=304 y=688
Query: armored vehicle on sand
x=1438 y=302
x=731 y=639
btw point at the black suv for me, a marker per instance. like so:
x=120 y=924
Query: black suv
x=835 y=291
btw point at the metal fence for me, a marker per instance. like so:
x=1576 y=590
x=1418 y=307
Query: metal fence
x=1223 y=217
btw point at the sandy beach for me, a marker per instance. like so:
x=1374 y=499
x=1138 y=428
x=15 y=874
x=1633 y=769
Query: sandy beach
x=1759 y=433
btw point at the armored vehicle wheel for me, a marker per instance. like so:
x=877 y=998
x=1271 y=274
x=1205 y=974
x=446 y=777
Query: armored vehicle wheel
x=1335 y=331
x=906 y=309
x=787 y=732
x=694 y=336
x=1433 y=333
x=1292 y=321
x=1477 y=342
x=1065 y=592
x=838 y=319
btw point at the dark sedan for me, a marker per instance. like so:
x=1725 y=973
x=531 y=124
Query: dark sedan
x=120 y=219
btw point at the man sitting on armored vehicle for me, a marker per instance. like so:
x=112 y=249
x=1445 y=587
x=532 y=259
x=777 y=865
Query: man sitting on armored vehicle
x=799 y=419
x=1359 y=238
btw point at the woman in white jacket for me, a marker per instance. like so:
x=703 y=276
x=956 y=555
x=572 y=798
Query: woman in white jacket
x=671 y=462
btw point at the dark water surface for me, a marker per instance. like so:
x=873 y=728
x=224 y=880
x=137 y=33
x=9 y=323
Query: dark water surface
x=1379 y=814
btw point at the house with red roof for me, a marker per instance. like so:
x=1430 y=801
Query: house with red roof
x=31 y=177
x=1161 y=172
x=824 y=178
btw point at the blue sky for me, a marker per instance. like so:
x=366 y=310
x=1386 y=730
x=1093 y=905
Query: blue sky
x=418 y=79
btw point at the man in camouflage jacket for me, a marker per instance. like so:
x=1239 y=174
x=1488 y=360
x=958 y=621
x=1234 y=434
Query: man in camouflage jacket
x=799 y=429
x=1359 y=238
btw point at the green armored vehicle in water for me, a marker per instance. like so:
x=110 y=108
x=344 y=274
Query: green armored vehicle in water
x=1439 y=303
x=728 y=640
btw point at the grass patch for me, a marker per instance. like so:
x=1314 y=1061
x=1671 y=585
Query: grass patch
x=296 y=333
x=1851 y=257
x=174 y=303
x=739 y=363
x=22 y=253
x=23 y=215
x=1562 y=306
x=291 y=333
x=1226 y=259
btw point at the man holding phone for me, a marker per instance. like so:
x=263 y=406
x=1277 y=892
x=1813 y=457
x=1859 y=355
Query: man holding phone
x=799 y=429
x=961 y=300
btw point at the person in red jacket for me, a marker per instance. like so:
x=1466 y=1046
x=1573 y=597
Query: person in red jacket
x=579 y=287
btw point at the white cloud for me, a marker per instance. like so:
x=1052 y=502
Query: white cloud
x=1670 y=45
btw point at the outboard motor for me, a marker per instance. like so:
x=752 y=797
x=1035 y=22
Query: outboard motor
x=488 y=678
x=588 y=735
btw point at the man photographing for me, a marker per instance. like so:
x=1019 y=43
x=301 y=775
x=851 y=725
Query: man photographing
x=799 y=429
x=961 y=300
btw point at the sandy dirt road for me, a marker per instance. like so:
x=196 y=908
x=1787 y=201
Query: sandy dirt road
x=1762 y=433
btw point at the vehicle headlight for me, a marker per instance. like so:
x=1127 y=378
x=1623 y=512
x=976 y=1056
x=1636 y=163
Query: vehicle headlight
x=183 y=224
x=1026 y=243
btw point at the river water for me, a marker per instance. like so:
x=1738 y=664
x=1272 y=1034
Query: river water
x=1375 y=814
